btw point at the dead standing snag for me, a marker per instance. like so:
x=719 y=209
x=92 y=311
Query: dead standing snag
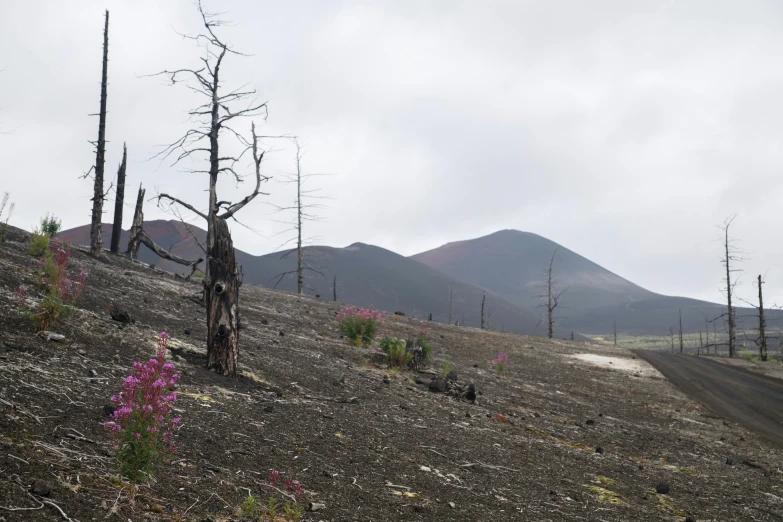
x=215 y=119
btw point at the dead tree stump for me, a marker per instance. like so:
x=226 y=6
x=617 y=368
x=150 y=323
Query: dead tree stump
x=138 y=225
x=222 y=295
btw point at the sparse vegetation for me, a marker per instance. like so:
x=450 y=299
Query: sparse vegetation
x=39 y=243
x=424 y=342
x=142 y=425
x=4 y=222
x=50 y=225
x=446 y=370
x=360 y=324
x=501 y=362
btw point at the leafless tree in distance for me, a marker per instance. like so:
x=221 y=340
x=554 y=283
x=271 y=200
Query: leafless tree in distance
x=303 y=207
x=551 y=297
x=214 y=119
x=483 y=301
x=137 y=225
x=681 y=344
x=731 y=255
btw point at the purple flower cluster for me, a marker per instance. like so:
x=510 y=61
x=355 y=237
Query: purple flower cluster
x=501 y=361
x=360 y=324
x=291 y=485
x=141 y=426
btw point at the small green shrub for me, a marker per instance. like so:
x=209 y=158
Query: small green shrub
x=360 y=325
x=446 y=369
x=50 y=225
x=748 y=356
x=250 y=507
x=39 y=244
x=424 y=342
x=501 y=362
x=397 y=355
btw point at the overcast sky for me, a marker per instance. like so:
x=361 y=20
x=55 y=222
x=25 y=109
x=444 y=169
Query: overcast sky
x=625 y=131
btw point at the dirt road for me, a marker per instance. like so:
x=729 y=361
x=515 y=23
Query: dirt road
x=752 y=400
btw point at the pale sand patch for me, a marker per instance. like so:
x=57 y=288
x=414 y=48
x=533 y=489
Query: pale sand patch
x=619 y=363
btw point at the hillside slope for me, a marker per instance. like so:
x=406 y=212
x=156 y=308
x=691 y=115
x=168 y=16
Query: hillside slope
x=513 y=263
x=367 y=443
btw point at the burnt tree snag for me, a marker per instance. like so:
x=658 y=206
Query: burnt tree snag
x=334 y=288
x=762 y=325
x=552 y=298
x=217 y=117
x=136 y=226
x=483 y=301
x=681 y=344
x=96 y=240
x=119 y=201
x=614 y=329
x=730 y=256
x=222 y=302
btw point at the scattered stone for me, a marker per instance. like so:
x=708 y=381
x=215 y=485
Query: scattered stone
x=386 y=380
x=589 y=422
x=452 y=376
x=82 y=352
x=662 y=489
x=599 y=450
x=187 y=332
x=452 y=505
x=690 y=519
x=475 y=365
x=729 y=462
x=536 y=415
x=438 y=385
x=108 y=409
x=120 y=314
x=470 y=393
x=116 y=358
x=269 y=409
x=52 y=336
x=401 y=314
x=42 y=488
x=92 y=373
x=425 y=468
x=264 y=321
x=316 y=506
x=441 y=336
x=282 y=333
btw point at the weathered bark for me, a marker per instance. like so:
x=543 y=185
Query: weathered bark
x=484 y=300
x=334 y=288
x=165 y=254
x=119 y=201
x=681 y=344
x=762 y=325
x=671 y=332
x=222 y=293
x=96 y=240
x=701 y=344
x=137 y=226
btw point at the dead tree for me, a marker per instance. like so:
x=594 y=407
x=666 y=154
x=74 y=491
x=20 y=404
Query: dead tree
x=96 y=239
x=136 y=226
x=483 y=300
x=215 y=118
x=614 y=327
x=671 y=332
x=119 y=201
x=334 y=288
x=681 y=344
x=730 y=256
x=762 y=340
x=552 y=297
x=451 y=300
x=302 y=208
x=701 y=344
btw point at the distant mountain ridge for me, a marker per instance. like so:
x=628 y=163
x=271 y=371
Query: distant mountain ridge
x=366 y=276
x=507 y=265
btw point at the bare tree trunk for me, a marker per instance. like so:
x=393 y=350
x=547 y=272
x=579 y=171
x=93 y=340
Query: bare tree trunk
x=701 y=344
x=707 y=331
x=671 y=332
x=119 y=201
x=136 y=226
x=729 y=288
x=222 y=302
x=681 y=345
x=762 y=325
x=614 y=326
x=334 y=288
x=299 y=274
x=572 y=336
x=483 y=300
x=451 y=300
x=96 y=239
